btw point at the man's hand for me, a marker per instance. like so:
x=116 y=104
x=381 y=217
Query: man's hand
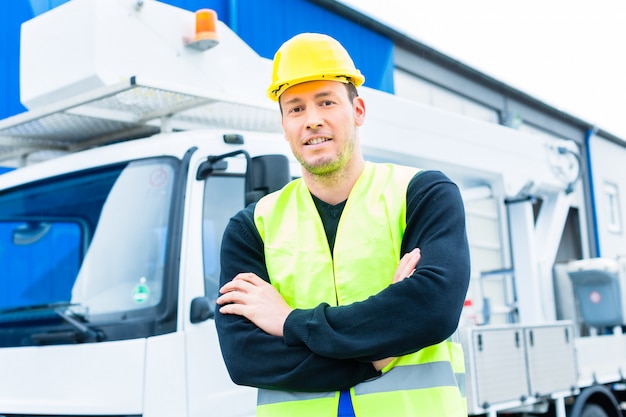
x=381 y=363
x=250 y=296
x=407 y=265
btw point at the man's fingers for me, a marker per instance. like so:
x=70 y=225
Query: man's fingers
x=232 y=309
x=240 y=288
x=234 y=286
x=232 y=296
x=407 y=265
x=250 y=278
x=235 y=291
x=249 y=296
x=242 y=282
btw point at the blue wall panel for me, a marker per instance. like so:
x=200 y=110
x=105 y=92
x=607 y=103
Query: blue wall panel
x=12 y=14
x=266 y=28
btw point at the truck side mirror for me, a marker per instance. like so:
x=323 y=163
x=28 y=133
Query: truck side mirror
x=266 y=174
x=201 y=310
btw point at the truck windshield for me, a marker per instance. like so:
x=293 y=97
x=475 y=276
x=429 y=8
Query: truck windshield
x=94 y=242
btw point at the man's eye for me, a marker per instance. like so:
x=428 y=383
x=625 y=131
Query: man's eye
x=326 y=103
x=295 y=110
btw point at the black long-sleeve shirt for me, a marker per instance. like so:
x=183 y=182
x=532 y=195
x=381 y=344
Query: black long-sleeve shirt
x=331 y=348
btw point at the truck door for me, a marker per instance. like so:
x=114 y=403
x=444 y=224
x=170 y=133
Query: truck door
x=209 y=386
x=224 y=191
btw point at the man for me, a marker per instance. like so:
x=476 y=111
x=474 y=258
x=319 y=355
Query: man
x=341 y=291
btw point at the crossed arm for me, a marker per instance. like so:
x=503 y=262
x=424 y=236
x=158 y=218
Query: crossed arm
x=250 y=296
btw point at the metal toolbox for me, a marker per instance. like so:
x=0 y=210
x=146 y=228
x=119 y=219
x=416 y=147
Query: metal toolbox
x=515 y=365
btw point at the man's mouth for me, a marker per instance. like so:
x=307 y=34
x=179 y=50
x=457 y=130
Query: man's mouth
x=316 y=141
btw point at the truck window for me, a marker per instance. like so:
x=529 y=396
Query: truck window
x=93 y=243
x=123 y=268
x=223 y=197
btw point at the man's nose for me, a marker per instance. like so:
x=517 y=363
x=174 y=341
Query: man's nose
x=314 y=120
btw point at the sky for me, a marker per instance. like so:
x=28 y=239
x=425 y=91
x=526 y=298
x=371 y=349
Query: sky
x=570 y=54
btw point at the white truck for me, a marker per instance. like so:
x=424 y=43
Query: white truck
x=144 y=135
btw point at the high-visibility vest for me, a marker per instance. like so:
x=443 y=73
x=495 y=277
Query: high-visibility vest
x=369 y=235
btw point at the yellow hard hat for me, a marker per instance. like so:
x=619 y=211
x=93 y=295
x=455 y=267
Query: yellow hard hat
x=311 y=57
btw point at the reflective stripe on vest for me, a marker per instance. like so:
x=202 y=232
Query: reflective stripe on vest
x=302 y=268
x=405 y=378
x=428 y=389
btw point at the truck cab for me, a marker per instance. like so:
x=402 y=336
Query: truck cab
x=117 y=253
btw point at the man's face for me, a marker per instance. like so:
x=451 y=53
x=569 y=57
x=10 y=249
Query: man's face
x=320 y=123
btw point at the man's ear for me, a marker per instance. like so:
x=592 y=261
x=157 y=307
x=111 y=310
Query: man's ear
x=359 y=111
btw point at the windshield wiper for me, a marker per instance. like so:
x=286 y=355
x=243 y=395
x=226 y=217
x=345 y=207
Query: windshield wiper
x=84 y=333
x=81 y=332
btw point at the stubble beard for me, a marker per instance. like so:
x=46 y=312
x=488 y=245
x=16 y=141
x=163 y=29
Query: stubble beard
x=329 y=169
